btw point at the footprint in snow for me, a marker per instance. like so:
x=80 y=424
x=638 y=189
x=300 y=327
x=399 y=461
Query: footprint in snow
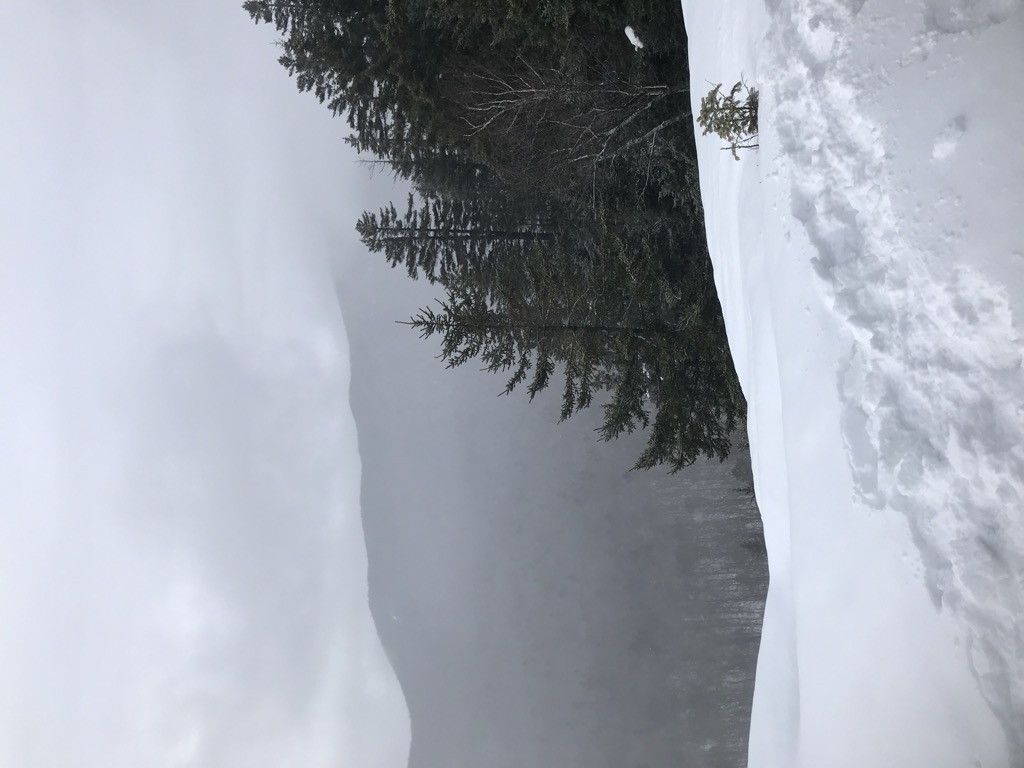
x=948 y=139
x=954 y=16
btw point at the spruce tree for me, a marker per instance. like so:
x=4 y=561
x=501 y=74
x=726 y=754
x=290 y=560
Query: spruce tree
x=556 y=196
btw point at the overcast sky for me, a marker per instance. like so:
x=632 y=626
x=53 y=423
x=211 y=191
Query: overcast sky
x=182 y=570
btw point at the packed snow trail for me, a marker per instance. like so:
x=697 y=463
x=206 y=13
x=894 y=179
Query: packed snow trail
x=932 y=387
x=874 y=247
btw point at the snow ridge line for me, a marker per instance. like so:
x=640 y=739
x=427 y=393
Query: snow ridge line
x=933 y=383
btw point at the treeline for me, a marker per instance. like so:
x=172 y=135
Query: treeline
x=555 y=199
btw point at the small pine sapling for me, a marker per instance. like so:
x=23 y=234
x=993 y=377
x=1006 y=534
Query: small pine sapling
x=732 y=117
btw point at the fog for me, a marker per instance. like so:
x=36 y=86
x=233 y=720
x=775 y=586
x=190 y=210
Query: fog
x=541 y=603
x=183 y=578
x=182 y=571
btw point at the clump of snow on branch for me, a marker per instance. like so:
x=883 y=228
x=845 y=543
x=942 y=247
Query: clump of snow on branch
x=633 y=38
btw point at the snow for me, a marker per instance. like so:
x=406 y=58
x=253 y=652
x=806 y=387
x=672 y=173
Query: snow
x=633 y=38
x=870 y=262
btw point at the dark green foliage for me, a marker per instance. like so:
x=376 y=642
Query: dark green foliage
x=445 y=238
x=732 y=116
x=556 y=197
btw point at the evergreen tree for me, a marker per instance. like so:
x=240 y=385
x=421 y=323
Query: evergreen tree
x=556 y=194
x=445 y=238
x=365 y=59
x=660 y=368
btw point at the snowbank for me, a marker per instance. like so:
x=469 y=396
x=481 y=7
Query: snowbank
x=870 y=261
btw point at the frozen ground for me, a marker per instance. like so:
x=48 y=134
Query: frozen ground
x=870 y=260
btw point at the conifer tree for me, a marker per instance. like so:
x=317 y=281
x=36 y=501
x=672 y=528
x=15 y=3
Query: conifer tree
x=555 y=194
x=660 y=369
x=443 y=238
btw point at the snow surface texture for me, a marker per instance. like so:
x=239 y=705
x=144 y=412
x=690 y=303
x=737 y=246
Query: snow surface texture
x=875 y=243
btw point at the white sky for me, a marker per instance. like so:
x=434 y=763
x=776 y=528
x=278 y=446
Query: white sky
x=182 y=573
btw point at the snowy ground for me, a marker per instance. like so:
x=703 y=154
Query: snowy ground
x=870 y=260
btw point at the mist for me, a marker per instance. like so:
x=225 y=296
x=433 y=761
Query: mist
x=541 y=603
x=206 y=403
x=182 y=567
